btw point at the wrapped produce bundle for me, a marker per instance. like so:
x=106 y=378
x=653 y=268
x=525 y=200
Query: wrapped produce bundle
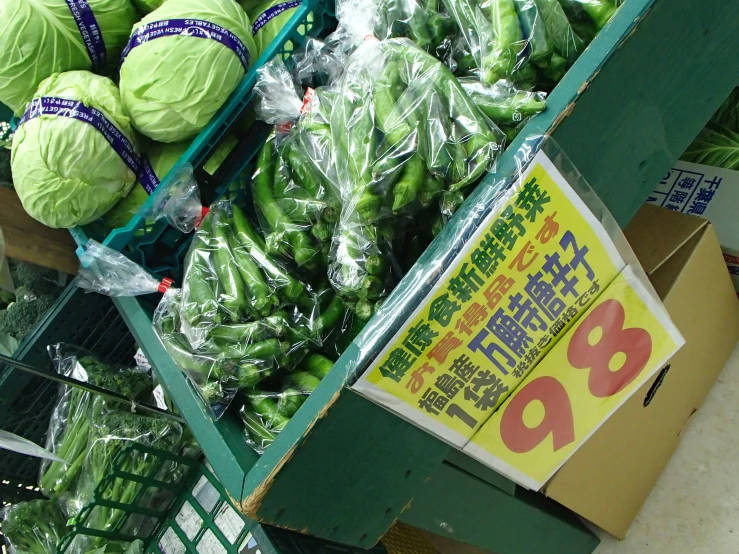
x=240 y=316
x=72 y=417
x=34 y=527
x=292 y=183
x=266 y=413
x=404 y=134
x=526 y=41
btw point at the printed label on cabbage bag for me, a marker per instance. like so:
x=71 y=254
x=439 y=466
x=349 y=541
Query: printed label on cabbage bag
x=268 y=15
x=195 y=28
x=73 y=109
x=90 y=32
x=147 y=177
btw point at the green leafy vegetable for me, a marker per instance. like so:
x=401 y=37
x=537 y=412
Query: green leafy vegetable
x=34 y=527
x=65 y=171
x=41 y=38
x=173 y=85
x=716 y=146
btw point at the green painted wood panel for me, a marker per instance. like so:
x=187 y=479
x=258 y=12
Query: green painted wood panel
x=462 y=507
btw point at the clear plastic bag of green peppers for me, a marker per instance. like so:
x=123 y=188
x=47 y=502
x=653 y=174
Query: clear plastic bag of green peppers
x=425 y=22
x=291 y=186
x=509 y=108
x=239 y=317
x=526 y=41
x=404 y=135
x=266 y=413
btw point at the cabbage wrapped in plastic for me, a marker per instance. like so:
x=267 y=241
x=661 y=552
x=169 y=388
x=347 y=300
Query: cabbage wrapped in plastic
x=182 y=62
x=43 y=37
x=74 y=155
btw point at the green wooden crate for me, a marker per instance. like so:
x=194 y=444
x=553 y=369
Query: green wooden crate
x=345 y=469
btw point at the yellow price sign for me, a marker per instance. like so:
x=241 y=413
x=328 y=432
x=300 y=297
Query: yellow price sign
x=533 y=267
x=618 y=344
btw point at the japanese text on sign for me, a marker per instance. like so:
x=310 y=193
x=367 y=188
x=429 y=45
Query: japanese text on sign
x=623 y=339
x=533 y=267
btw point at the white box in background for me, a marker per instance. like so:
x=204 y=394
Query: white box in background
x=711 y=193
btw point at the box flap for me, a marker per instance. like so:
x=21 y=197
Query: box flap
x=655 y=234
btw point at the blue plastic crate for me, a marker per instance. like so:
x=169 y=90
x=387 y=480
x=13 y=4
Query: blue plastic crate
x=159 y=247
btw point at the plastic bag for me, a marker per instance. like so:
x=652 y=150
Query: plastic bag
x=526 y=41
x=34 y=527
x=72 y=416
x=240 y=316
x=112 y=432
x=404 y=132
x=291 y=185
x=266 y=413
x=179 y=203
x=509 y=108
x=425 y=22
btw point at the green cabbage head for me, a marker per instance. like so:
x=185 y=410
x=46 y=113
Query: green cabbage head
x=65 y=171
x=268 y=19
x=40 y=38
x=171 y=86
x=147 y=6
x=162 y=157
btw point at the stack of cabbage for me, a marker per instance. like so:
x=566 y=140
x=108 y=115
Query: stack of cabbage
x=77 y=151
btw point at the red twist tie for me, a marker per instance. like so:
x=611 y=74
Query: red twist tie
x=203 y=212
x=284 y=128
x=165 y=285
x=370 y=37
x=310 y=93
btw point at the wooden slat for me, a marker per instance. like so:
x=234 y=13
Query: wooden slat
x=28 y=240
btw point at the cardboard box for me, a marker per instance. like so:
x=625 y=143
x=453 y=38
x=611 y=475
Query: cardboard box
x=711 y=193
x=608 y=480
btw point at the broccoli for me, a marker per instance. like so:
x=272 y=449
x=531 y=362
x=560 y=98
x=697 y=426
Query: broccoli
x=33 y=527
x=83 y=409
x=6 y=175
x=37 y=279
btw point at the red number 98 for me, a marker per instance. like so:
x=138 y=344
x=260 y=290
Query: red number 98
x=635 y=344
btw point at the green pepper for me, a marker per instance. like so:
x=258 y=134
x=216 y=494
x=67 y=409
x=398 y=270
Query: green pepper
x=290 y=401
x=266 y=408
x=200 y=285
x=406 y=189
x=256 y=431
x=507 y=42
x=317 y=365
x=298 y=244
x=232 y=297
x=255 y=331
x=330 y=316
x=540 y=45
x=430 y=189
x=566 y=42
x=293 y=290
